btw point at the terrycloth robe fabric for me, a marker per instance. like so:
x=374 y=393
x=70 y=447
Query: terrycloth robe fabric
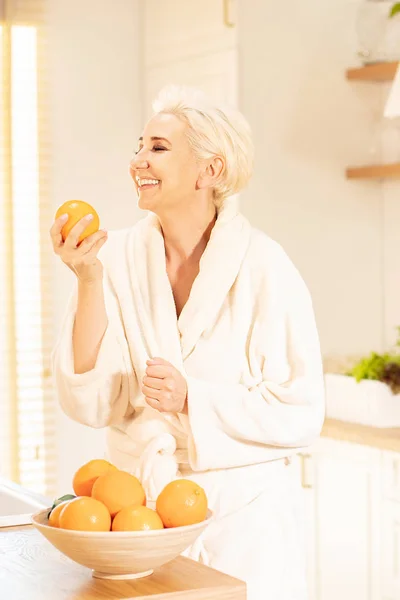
x=246 y=342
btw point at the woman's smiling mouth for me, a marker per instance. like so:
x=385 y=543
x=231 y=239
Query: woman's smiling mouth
x=145 y=183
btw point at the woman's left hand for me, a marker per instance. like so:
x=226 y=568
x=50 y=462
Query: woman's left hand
x=164 y=387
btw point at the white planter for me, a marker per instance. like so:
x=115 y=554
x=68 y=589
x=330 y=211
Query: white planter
x=377 y=34
x=368 y=402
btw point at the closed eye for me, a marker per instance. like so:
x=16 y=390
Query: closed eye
x=154 y=149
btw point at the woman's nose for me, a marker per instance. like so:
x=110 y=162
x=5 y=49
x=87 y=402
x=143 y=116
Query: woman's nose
x=139 y=162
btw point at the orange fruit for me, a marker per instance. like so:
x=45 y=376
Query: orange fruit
x=76 y=210
x=118 y=489
x=182 y=502
x=55 y=514
x=85 y=514
x=136 y=518
x=87 y=474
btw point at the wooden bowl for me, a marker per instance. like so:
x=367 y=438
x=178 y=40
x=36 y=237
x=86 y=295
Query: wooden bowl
x=120 y=554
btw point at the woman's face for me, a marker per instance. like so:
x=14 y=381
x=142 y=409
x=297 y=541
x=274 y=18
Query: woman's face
x=164 y=169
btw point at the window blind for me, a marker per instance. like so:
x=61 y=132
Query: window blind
x=27 y=414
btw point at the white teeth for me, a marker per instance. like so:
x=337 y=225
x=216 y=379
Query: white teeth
x=146 y=181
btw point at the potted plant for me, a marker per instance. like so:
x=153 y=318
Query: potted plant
x=392 y=33
x=394 y=10
x=380 y=367
x=378 y=31
x=368 y=392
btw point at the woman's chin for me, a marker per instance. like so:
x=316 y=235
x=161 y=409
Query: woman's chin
x=146 y=203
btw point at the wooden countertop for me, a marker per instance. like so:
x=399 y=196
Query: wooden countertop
x=376 y=437
x=32 y=569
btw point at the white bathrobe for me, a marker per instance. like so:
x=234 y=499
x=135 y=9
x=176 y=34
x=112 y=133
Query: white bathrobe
x=247 y=344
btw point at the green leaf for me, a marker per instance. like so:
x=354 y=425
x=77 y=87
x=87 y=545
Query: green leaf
x=378 y=367
x=58 y=501
x=370 y=367
x=394 y=10
x=398 y=336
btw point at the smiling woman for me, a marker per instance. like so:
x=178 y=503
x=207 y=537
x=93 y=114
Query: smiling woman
x=196 y=345
x=26 y=425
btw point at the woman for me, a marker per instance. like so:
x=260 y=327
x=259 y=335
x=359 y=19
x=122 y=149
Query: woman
x=192 y=337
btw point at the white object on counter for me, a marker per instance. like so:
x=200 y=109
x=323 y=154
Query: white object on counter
x=17 y=504
x=367 y=402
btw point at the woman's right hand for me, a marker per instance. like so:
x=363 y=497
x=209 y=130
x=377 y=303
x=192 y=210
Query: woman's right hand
x=82 y=259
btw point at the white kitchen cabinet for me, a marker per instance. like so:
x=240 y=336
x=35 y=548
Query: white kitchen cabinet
x=390 y=550
x=306 y=475
x=390 y=514
x=343 y=494
x=391 y=476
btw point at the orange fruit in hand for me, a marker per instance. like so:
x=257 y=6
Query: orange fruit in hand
x=76 y=210
x=55 y=514
x=118 y=489
x=182 y=502
x=87 y=474
x=85 y=514
x=136 y=518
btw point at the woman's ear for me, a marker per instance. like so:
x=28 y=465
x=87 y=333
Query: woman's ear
x=211 y=173
x=216 y=167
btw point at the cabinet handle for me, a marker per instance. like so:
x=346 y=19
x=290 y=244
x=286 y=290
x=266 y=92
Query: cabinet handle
x=227 y=21
x=305 y=485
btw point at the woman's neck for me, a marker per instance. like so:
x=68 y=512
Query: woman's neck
x=186 y=237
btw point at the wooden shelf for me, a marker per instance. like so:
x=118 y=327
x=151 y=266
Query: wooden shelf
x=373 y=171
x=384 y=71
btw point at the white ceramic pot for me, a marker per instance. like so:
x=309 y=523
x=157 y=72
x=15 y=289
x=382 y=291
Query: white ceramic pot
x=377 y=34
x=367 y=402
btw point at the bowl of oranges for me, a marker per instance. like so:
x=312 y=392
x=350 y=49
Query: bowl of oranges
x=109 y=526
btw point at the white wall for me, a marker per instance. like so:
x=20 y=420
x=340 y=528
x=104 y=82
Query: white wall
x=96 y=120
x=310 y=123
x=390 y=222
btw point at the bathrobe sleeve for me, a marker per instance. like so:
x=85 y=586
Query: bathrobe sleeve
x=101 y=396
x=234 y=424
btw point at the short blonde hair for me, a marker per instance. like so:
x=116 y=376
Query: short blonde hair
x=212 y=131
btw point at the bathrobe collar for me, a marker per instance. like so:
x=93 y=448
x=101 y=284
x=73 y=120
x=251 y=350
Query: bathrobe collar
x=166 y=336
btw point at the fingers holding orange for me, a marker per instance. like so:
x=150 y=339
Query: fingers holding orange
x=55 y=233
x=92 y=242
x=78 y=223
x=77 y=239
